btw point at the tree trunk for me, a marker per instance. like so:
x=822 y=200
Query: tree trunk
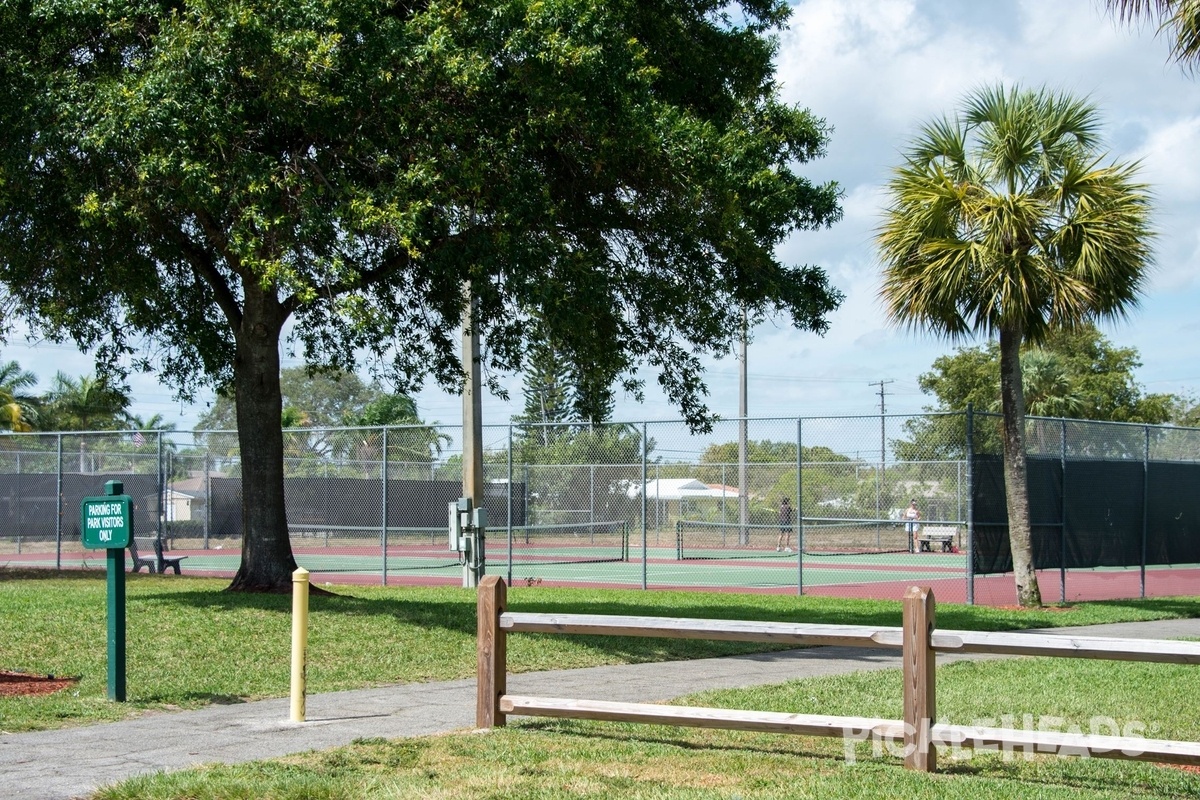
x=1016 y=482
x=267 y=560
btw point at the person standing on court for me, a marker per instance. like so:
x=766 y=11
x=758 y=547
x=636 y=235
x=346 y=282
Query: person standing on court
x=911 y=525
x=785 y=527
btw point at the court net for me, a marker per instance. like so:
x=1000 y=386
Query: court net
x=562 y=543
x=821 y=536
x=427 y=547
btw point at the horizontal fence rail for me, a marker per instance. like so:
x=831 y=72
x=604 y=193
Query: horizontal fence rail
x=916 y=638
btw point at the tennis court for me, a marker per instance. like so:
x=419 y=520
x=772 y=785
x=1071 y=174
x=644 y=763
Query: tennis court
x=610 y=554
x=595 y=554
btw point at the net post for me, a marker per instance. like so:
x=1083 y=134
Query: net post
x=491 y=652
x=920 y=687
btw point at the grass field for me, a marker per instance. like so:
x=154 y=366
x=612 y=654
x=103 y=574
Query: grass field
x=538 y=759
x=190 y=643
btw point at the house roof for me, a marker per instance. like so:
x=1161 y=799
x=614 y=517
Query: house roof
x=679 y=489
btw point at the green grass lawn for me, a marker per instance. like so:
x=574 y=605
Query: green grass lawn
x=575 y=759
x=190 y=643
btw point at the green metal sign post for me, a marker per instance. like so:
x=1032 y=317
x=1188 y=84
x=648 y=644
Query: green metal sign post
x=106 y=523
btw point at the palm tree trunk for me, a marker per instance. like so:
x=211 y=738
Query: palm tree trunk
x=267 y=561
x=1016 y=481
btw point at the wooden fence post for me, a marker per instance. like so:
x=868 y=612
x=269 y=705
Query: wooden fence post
x=920 y=689
x=491 y=655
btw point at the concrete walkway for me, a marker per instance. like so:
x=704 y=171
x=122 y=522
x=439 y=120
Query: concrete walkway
x=63 y=764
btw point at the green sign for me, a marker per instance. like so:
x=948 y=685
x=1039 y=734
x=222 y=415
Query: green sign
x=105 y=522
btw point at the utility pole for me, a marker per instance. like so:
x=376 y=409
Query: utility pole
x=472 y=476
x=882 y=449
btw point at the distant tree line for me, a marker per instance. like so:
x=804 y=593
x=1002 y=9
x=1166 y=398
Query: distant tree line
x=85 y=403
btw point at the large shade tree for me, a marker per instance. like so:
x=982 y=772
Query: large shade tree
x=181 y=180
x=1004 y=221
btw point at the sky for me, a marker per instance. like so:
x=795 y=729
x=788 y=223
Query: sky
x=875 y=70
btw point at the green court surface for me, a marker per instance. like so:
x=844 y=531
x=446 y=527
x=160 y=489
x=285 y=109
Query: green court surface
x=724 y=569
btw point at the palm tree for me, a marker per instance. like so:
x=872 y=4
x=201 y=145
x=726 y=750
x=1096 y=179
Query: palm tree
x=1048 y=392
x=85 y=404
x=1047 y=386
x=18 y=410
x=1179 y=19
x=1003 y=221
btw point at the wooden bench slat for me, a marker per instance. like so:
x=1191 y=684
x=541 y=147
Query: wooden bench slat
x=713 y=629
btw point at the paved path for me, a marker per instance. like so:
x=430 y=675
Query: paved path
x=63 y=764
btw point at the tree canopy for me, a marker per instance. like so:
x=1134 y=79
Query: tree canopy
x=180 y=180
x=322 y=400
x=1098 y=374
x=86 y=403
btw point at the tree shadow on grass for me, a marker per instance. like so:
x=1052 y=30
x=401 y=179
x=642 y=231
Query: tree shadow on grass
x=10 y=573
x=454 y=612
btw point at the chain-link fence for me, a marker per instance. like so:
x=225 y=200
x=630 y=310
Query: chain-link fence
x=851 y=506
x=1114 y=509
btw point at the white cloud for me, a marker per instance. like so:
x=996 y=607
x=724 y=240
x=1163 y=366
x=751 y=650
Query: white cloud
x=1169 y=160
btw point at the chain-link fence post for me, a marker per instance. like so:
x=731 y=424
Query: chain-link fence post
x=383 y=534
x=1062 y=517
x=799 y=510
x=161 y=488
x=970 y=454
x=645 y=503
x=58 y=506
x=207 y=493
x=1145 y=508
x=20 y=500
x=509 y=513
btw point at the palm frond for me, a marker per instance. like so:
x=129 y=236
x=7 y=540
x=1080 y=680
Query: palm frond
x=1004 y=219
x=1179 y=20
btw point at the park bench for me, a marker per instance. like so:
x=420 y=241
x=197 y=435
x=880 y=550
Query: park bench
x=943 y=535
x=158 y=563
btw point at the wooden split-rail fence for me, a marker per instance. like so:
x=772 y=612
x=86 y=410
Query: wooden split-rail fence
x=917 y=639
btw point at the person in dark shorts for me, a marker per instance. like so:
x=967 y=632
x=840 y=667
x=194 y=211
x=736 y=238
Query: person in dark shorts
x=783 y=545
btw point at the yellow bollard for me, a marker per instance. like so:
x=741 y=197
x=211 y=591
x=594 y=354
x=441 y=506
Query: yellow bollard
x=299 y=641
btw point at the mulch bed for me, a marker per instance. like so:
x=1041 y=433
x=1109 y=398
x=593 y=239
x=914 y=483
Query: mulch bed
x=13 y=684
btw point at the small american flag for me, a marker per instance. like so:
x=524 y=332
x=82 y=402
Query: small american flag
x=138 y=439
